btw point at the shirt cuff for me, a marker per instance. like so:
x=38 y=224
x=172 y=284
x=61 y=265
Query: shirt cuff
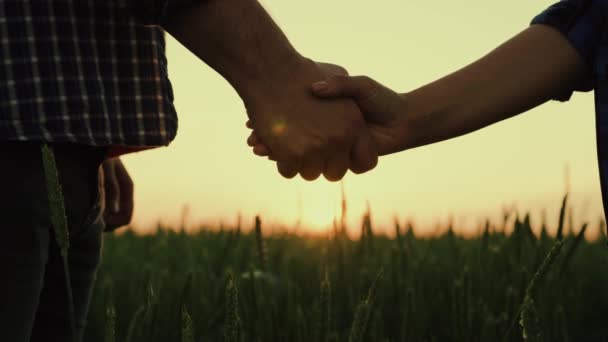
x=155 y=12
x=148 y=12
x=582 y=23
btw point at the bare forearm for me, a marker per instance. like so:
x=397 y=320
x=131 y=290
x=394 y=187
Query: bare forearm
x=523 y=73
x=237 y=38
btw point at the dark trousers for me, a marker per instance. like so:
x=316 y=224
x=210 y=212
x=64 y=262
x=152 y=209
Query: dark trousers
x=33 y=296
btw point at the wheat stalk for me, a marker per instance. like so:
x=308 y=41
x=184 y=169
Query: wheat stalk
x=325 y=308
x=232 y=323
x=261 y=245
x=187 y=334
x=59 y=222
x=562 y=216
x=530 y=321
x=110 y=326
x=362 y=313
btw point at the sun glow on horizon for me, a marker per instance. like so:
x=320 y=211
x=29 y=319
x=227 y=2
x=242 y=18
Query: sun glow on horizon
x=318 y=205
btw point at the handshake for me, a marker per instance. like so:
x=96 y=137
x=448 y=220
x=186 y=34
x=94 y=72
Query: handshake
x=315 y=119
x=312 y=118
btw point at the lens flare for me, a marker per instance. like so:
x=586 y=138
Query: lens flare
x=279 y=129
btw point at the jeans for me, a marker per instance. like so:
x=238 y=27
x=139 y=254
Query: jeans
x=33 y=296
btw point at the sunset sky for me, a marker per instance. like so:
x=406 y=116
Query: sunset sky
x=403 y=44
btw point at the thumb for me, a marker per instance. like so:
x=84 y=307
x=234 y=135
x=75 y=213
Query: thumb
x=359 y=88
x=378 y=103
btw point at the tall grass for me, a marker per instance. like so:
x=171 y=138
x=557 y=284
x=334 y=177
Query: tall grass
x=232 y=324
x=60 y=224
x=530 y=319
x=187 y=333
x=446 y=288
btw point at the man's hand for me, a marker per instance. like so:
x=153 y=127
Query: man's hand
x=118 y=188
x=305 y=134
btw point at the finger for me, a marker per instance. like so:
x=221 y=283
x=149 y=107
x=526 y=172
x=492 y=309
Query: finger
x=364 y=155
x=126 y=189
x=258 y=147
x=126 y=204
x=312 y=168
x=115 y=221
x=111 y=188
x=336 y=167
x=357 y=87
x=253 y=140
x=333 y=68
x=261 y=150
x=288 y=169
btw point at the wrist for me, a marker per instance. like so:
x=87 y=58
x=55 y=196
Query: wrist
x=420 y=116
x=406 y=122
x=263 y=81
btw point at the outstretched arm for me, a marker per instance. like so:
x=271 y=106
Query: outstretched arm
x=526 y=71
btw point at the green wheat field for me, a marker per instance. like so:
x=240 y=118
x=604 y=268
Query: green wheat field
x=239 y=284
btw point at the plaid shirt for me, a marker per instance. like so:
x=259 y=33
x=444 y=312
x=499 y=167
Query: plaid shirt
x=583 y=23
x=86 y=71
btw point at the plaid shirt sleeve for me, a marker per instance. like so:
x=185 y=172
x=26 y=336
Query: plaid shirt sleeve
x=154 y=12
x=582 y=23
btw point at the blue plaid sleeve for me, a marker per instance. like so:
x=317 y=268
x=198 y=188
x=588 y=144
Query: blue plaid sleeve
x=582 y=23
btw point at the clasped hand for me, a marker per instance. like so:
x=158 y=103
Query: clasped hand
x=308 y=135
x=321 y=121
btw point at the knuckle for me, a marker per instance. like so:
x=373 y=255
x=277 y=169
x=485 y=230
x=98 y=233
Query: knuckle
x=342 y=136
x=129 y=182
x=286 y=174
x=332 y=177
x=337 y=79
x=356 y=170
x=364 y=166
x=298 y=154
x=368 y=165
x=285 y=154
x=310 y=176
x=367 y=82
x=286 y=170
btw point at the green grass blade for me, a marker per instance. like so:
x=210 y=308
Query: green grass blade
x=59 y=222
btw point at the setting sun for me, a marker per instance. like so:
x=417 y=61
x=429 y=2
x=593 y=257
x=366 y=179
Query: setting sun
x=320 y=205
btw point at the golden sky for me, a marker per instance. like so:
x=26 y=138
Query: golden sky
x=403 y=44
